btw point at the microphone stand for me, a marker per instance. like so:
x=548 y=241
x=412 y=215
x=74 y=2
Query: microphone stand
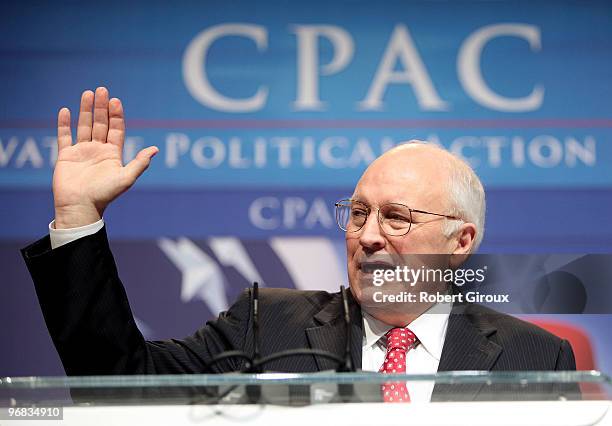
x=346 y=391
x=253 y=393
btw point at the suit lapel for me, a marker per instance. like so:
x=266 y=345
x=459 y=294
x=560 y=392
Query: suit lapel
x=467 y=347
x=330 y=332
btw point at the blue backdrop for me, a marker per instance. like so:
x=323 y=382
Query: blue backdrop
x=266 y=113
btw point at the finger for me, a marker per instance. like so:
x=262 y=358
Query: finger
x=85 y=116
x=100 y=116
x=64 y=134
x=116 y=128
x=138 y=165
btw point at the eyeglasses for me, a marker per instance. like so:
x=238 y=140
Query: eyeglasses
x=395 y=219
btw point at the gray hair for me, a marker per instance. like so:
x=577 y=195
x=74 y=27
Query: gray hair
x=466 y=193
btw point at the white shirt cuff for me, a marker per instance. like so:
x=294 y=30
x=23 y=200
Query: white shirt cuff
x=59 y=237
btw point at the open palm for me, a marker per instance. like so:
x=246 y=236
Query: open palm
x=90 y=174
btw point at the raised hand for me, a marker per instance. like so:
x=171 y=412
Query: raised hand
x=90 y=174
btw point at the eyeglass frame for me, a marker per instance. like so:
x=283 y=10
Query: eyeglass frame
x=369 y=210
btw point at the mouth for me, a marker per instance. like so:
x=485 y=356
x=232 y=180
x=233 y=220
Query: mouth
x=368 y=267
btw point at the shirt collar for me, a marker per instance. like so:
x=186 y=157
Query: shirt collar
x=429 y=328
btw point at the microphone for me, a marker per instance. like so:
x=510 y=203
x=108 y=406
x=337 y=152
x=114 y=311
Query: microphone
x=255 y=310
x=348 y=362
x=255 y=363
x=346 y=391
x=253 y=393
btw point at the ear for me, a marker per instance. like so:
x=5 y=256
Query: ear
x=464 y=240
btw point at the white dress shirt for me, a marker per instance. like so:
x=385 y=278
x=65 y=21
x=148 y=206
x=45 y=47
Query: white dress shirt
x=59 y=237
x=429 y=328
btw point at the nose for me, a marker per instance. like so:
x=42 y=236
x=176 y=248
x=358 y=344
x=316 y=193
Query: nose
x=372 y=239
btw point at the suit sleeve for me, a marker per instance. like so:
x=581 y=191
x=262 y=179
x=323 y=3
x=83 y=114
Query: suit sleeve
x=90 y=321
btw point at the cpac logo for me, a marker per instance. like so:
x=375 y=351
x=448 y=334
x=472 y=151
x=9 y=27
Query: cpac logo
x=203 y=278
x=401 y=63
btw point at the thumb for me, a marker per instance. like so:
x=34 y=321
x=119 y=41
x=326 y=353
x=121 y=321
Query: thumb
x=139 y=164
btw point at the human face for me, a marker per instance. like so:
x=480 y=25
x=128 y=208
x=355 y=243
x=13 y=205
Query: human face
x=409 y=176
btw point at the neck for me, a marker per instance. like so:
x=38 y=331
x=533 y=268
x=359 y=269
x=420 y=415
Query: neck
x=394 y=319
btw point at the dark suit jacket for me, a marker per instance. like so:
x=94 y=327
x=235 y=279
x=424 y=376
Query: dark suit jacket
x=88 y=316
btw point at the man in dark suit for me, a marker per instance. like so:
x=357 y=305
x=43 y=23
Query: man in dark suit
x=88 y=315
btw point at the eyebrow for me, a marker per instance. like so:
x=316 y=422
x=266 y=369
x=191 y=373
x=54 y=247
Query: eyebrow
x=359 y=200
x=405 y=203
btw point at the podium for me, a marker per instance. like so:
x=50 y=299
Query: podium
x=461 y=397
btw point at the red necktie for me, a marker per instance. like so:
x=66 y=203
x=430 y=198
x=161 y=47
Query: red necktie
x=399 y=341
